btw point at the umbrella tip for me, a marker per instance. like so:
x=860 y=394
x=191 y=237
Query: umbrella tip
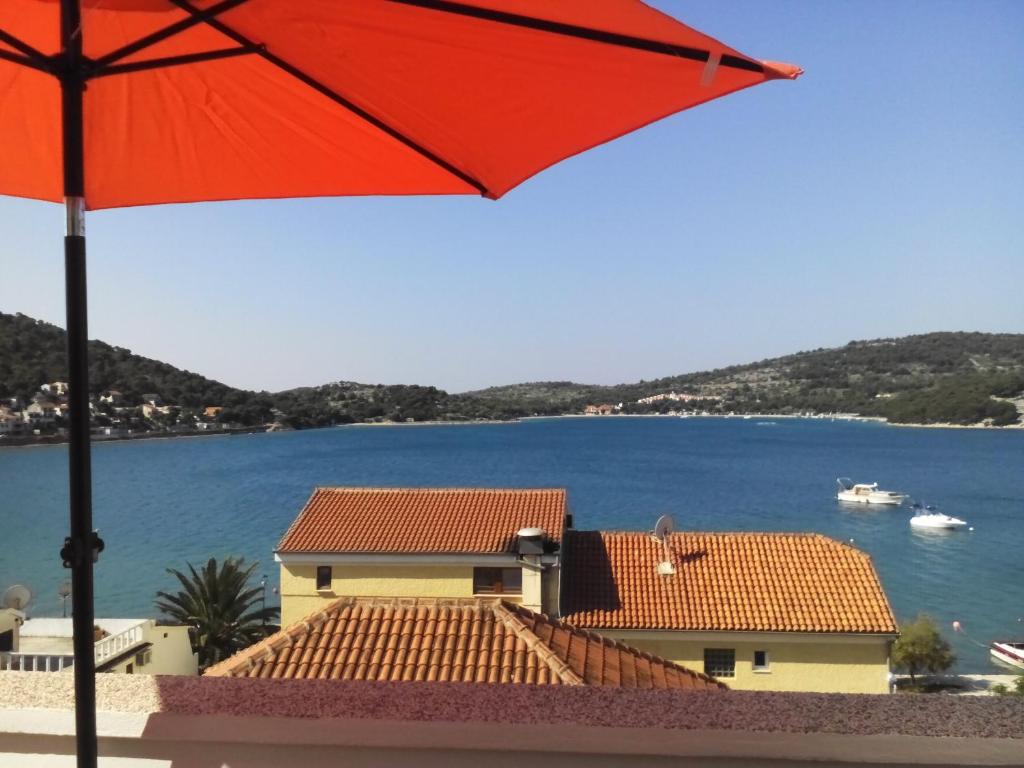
x=779 y=69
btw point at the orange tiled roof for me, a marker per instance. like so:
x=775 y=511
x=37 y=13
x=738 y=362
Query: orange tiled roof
x=769 y=582
x=442 y=640
x=410 y=520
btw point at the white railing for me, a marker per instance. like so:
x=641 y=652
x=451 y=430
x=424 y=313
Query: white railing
x=34 y=662
x=113 y=645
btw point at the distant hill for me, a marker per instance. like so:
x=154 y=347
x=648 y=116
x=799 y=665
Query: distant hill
x=961 y=378
x=33 y=352
x=934 y=377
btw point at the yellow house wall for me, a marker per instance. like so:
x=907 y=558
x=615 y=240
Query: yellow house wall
x=10 y=623
x=299 y=596
x=172 y=653
x=821 y=666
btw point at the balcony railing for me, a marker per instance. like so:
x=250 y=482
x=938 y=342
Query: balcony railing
x=113 y=645
x=34 y=662
x=104 y=650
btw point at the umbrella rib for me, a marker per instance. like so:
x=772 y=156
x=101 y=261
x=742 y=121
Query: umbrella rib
x=584 y=33
x=35 y=59
x=173 y=61
x=337 y=98
x=195 y=17
x=25 y=61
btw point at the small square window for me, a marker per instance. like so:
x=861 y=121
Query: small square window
x=720 y=662
x=497 y=581
x=323 y=577
x=761 y=661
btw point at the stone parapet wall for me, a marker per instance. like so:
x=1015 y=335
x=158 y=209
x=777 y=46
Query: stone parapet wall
x=250 y=723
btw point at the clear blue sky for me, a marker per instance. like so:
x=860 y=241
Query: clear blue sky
x=881 y=194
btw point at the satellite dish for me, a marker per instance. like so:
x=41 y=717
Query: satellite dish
x=17 y=597
x=663 y=527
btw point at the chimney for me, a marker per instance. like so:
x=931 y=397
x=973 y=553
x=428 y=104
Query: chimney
x=531 y=541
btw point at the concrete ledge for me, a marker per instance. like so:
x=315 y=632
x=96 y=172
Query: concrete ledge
x=155 y=718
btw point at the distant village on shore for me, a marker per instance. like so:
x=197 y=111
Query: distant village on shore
x=940 y=379
x=113 y=415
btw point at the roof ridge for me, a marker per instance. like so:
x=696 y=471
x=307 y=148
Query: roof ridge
x=283 y=638
x=514 y=623
x=773 y=534
x=619 y=645
x=352 y=520
x=439 y=488
x=298 y=517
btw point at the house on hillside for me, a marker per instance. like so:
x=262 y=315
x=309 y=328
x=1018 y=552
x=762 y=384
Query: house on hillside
x=40 y=412
x=761 y=611
x=423 y=542
x=149 y=410
x=112 y=397
x=463 y=640
x=599 y=410
x=59 y=388
x=11 y=423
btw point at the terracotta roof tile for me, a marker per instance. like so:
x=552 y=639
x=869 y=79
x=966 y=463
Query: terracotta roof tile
x=410 y=520
x=769 y=582
x=451 y=640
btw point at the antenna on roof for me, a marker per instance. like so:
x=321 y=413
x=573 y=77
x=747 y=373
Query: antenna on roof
x=662 y=529
x=17 y=597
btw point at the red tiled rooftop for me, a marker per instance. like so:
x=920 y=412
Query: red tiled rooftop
x=769 y=582
x=411 y=520
x=442 y=640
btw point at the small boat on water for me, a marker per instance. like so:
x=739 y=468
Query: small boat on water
x=929 y=517
x=1008 y=653
x=866 y=493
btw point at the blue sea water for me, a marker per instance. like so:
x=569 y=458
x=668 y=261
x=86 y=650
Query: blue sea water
x=162 y=503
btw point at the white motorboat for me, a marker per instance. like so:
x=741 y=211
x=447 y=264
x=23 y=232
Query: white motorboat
x=866 y=493
x=928 y=517
x=1008 y=653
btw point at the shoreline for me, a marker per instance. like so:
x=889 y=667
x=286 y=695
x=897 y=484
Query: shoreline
x=947 y=425
x=761 y=417
x=43 y=441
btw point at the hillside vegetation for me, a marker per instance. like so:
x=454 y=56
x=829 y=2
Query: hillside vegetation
x=961 y=378
x=936 y=377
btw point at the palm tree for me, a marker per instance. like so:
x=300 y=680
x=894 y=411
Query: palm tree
x=225 y=614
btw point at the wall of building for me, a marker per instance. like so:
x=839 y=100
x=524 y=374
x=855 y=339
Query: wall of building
x=300 y=597
x=172 y=652
x=837 y=665
x=9 y=624
x=166 y=651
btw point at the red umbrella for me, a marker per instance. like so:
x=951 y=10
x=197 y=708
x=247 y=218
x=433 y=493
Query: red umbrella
x=161 y=101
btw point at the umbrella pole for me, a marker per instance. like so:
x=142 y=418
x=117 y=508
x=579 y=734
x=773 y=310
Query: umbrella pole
x=82 y=546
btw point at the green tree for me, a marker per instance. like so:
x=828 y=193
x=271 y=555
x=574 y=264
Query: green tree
x=999 y=689
x=920 y=648
x=224 y=612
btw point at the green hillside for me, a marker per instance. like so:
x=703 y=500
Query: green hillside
x=961 y=378
x=33 y=352
x=935 y=377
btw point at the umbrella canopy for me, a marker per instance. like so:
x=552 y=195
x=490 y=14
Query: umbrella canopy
x=190 y=100
x=107 y=103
